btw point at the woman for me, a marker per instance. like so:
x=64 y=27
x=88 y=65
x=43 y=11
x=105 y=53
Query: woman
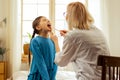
x=82 y=43
x=43 y=51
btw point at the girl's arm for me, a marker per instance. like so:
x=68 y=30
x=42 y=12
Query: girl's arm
x=55 y=40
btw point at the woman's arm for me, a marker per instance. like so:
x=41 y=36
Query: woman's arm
x=67 y=54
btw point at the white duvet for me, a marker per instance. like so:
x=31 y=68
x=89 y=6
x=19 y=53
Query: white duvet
x=61 y=75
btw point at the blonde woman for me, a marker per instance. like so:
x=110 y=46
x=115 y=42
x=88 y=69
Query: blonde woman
x=82 y=43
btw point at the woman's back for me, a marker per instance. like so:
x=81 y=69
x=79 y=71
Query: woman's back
x=90 y=44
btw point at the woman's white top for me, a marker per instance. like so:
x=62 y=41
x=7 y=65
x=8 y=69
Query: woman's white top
x=82 y=47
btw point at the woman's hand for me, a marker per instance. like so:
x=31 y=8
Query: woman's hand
x=63 y=32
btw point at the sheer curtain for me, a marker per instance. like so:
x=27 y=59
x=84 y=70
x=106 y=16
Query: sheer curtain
x=14 y=33
x=99 y=11
x=105 y=17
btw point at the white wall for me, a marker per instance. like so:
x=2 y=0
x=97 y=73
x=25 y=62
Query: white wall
x=1 y=10
x=4 y=13
x=1 y=13
x=114 y=26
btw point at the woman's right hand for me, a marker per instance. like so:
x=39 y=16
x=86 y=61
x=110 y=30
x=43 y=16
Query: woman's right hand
x=63 y=32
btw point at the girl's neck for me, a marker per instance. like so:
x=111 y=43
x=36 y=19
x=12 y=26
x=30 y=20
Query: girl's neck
x=44 y=34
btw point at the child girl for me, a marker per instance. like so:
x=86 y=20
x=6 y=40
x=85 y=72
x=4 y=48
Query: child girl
x=43 y=51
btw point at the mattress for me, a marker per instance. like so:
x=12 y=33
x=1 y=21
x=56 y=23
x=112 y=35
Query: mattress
x=61 y=75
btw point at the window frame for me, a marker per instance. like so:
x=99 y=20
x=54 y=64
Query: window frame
x=52 y=15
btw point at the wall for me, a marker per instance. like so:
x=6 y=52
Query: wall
x=114 y=26
x=1 y=10
x=111 y=24
x=4 y=13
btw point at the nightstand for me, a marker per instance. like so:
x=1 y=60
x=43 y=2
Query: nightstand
x=2 y=70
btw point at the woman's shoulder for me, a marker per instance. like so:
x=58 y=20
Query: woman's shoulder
x=79 y=34
x=74 y=33
x=93 y=27
x=72 y=36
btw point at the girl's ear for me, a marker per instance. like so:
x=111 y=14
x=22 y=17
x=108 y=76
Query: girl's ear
x=38 y=28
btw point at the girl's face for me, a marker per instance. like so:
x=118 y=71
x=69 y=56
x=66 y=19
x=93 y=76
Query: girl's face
x=44 y=25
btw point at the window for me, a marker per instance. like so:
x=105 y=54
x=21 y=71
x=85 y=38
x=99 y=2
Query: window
x=60 y=22
x=34 y=8
x=60 y=7
x=31 y=10
x=52 y=9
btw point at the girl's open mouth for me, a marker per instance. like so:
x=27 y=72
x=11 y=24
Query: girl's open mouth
x=49 y=26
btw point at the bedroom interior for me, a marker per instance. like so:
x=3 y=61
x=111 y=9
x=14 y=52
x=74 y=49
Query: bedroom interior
x=11 y=11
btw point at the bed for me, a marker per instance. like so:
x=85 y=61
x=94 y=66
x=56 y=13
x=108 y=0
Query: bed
x=61 y=75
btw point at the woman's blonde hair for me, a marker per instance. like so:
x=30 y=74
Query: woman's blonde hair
x=78 y=16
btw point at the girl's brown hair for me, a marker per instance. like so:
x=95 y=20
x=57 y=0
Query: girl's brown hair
x=78 y=16
x=35 y=31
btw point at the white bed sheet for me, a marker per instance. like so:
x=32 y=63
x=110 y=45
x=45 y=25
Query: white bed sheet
x=61 y=75
x=65 y=75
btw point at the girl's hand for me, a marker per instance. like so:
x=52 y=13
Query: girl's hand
x=53 y=37
x=63 y=32
x=55 y=40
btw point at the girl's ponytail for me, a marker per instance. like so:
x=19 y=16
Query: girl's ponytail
x=29 y=55
x=34 y=25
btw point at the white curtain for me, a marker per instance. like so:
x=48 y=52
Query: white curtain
x=98 y=9
x=14 y=30
x=105 y=18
